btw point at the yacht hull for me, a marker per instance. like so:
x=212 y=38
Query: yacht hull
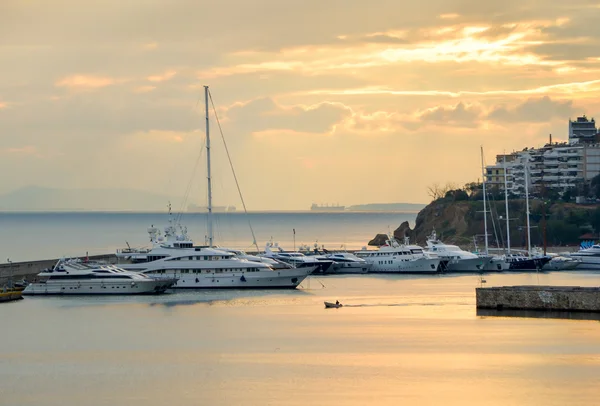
x=497 y=265
x=415 y=266
x=588 y=262
x=276 y=279
x=529 y=264
x=350 y=268
x=467 y=265
x=99 y=288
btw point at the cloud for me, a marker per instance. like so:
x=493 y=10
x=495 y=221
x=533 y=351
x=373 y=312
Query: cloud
x=85 y=82
x=3 y=105
x=24 y=150
x=460 y=114
x=541 y=109
x=265 y=114
x=162 y=77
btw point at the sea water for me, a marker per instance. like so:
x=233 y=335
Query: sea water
x=400 y=340
x=30 y=236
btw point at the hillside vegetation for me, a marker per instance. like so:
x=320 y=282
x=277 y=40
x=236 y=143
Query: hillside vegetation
x=458 y=218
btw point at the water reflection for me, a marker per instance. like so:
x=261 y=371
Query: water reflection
x=538 y=314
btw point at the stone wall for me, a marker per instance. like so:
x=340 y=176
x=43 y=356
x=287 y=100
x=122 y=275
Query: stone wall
x=569 y=298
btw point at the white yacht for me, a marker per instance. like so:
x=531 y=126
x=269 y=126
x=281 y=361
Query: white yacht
x=273 y=263
x=346 y=263
x=176 y=256
x=297 y=259
x=589 y=256
x=453 y=258
x=86 y=278
x=395 y=258
x=561 y=263
x=497 y=263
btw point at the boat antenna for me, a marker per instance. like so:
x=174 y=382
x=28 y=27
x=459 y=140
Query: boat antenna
x=237 y=184
x=209 y=179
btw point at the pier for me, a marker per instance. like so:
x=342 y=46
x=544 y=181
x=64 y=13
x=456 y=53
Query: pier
x=551 y=298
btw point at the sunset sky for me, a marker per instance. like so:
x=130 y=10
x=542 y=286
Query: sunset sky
x=328 y=101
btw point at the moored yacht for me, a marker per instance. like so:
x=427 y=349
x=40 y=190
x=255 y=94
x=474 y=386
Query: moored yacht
x=562 y=263
x=346 y=263
x=453 y=258
x=297 y=259
x=589 y=257
x=86 y=278
x=395 y=258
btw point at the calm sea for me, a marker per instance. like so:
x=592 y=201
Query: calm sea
x=405 y=341
x=29 y=236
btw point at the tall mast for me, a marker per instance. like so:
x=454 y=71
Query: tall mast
x=210 y=220
x=527 y=207
x=506 y=203
x=485 y=230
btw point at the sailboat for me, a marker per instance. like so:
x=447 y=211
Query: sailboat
x=520 y=262
x=496 y=262
x=207 y=266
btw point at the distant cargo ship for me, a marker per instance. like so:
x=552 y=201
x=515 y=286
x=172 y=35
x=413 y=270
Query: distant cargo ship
x=323 y=207
x=193 y=208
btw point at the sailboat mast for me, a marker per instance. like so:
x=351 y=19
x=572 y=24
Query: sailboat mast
x=485 y=230
x=527 y=207
x=506 y=204
x=210 y=219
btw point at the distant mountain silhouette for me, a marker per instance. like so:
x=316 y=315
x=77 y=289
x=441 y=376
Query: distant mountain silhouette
x=35 y=198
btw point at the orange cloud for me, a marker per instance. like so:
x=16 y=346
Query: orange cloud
x=25 y=150
x=85 y=82
x=3 y=105
x=150 y=46
x=163 y=77
x=144 y=89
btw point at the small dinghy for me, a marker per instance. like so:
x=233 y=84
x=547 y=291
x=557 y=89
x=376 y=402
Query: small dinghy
x=329 y=305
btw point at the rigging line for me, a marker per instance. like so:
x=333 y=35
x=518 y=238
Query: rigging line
x=232 y=168
x=188 y=189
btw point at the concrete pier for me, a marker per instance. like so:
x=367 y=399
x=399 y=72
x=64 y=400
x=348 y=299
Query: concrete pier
x=29 y=269
x=557 y=298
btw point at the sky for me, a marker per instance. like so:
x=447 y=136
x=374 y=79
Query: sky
x=328 y=101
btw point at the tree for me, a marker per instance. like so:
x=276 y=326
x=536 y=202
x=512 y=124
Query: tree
x=595 y=186
x=435 y=191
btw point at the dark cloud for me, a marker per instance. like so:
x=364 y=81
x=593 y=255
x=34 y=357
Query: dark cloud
x=533 y=110
x=264 y=114
x=460 y=114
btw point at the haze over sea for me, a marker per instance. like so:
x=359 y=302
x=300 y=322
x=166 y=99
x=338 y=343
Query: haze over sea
x=31 y=236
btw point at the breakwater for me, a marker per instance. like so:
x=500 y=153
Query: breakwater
x=556 y=298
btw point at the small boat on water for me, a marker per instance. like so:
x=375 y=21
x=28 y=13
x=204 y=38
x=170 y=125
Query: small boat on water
x=329 y=305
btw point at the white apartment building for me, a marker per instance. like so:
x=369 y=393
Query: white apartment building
x=555 y=166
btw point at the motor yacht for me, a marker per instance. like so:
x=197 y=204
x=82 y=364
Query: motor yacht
x=562 y=263
x=73 y=277
x=589 y=257
x=396 y=258
x=345 y=263
x=297 y=259
x=174 y=254
x=453 y=258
